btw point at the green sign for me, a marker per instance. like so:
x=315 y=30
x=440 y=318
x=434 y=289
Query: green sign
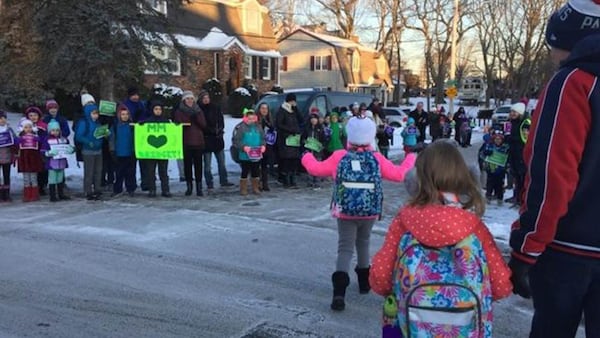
x=102 y=131
x=497 y=158
x=158 y=141
x=313 y=144
x=107 y=108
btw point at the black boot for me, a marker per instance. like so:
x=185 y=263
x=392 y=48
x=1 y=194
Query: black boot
x=61 y=192
x=188 y=192
x=264 y=178
x=199 y=188
x=363 y=279
x=53 y=197
x=292 y=178
x=340 y=282
x=151 y=193
x=285 y=180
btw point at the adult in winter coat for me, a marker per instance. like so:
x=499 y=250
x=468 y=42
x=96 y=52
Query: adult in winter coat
x=213 y=140
x=459 y=118
x=136 y=107
x=435 y=125
x=268 y=160
x=288 y=153
x=515 y=153
x=556 y=240
x=193 y=139
x=421 y=118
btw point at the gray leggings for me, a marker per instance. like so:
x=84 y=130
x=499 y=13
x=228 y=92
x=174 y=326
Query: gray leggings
x=351 y=233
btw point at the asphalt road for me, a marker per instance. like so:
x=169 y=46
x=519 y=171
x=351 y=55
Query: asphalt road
x=216 y=266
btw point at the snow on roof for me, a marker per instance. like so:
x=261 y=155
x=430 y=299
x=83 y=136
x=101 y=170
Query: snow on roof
x=216 y=39
x=339 y=42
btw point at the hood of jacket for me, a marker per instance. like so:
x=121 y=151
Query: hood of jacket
x=438 y=225
x=585 y=55
x=87 y=111
x=288 y=107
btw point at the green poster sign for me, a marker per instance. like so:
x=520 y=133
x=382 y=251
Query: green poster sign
x=102 y=131
x=107 y=108
x=159 y=141
x=497 y=158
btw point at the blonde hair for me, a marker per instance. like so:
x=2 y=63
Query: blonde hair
x=441 y=168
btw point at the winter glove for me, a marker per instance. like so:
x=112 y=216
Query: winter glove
x=246 y=149
x=51 y=153
x=263 y=149
x=520 y=277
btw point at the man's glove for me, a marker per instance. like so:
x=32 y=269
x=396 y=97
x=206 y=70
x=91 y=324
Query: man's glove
x=520 y=277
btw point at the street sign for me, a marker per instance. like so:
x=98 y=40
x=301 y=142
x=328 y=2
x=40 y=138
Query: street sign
x=451 y=92
x=451 y=83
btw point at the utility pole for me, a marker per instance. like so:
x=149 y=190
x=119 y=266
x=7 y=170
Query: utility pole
x=453 y=55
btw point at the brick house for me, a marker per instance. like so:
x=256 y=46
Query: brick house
x=328 y=62
x=231 y=41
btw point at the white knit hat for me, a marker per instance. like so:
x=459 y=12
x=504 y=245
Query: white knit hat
x=186 y=94
x=23 y=122
x=87 y=98
x=518 y=107
x=360 y=131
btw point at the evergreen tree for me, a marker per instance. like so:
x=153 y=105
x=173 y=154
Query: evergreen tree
x=73 y=44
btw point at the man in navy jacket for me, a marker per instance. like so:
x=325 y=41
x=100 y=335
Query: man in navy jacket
x=556 y=240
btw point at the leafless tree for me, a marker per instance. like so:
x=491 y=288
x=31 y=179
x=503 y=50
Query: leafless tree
x=345 y=13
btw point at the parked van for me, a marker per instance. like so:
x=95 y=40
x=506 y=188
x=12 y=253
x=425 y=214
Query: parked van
x=472 y=90
x=306 y=100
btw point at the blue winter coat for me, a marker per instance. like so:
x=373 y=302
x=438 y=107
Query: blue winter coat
x=85 y=131
x=121 y=139
x=137 y=110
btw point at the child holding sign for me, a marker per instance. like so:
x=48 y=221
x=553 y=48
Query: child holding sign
x=250 y=140
x=91 y=135
x=151 y=164
x=313 y=139
x=121 y=150
x=56 y=148
x=30 y=160
x=496 y=156
x=7 y=156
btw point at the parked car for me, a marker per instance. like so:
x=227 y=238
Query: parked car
x=395 y=117
x=324 y=101
x=501 y=113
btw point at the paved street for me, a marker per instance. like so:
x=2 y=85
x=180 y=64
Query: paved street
x=218 y=266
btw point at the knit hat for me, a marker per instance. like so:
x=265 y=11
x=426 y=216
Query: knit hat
x=86 y=99
x=33 y=109
x=290 y=97
x=23 y=122
x=156 y=103
x=202 y=94
x=187 y=94
x=410 y=120
x=2 y=113
x=360 y=131
x=132 y=91
x=50 y=104
x=573 y=22
x=518 y=107
x=53 y=125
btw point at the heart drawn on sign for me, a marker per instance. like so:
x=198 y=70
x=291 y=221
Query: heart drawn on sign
x=157 y=141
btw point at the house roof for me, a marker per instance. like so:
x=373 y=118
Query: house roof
x=217 y=40
x=198 y=18
x=374 y=69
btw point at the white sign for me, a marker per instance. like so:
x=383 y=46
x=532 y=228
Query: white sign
x=61 y=150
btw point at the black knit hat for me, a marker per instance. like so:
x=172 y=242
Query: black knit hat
x=290 y=97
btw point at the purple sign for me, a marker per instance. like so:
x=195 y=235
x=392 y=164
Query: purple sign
x=29 y=142
x=6 y=139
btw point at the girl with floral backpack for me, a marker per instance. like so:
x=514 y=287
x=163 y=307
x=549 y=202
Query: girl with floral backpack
x=439 y=266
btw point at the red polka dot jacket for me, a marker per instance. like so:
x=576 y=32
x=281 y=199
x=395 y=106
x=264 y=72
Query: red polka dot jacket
x=437 y=226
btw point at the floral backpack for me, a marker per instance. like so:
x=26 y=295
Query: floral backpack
x=439 y=292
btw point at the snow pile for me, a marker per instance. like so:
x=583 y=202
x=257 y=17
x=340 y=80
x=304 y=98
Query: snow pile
x=243 y=91
x=166 y=90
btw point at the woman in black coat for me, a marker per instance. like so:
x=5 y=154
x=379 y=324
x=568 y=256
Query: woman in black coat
x=287 y=125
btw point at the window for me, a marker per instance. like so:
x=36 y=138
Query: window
x=159 y=6
x=217 y=64
x=320 y=63
x=169 y=56
x=265 y=68
x=247 y=66
x=320 y=102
